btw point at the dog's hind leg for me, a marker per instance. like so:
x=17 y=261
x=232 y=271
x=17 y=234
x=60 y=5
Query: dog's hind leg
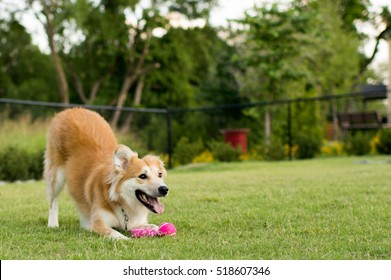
x=55 y=181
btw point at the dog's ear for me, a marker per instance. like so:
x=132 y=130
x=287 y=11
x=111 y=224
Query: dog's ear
x=122 y=157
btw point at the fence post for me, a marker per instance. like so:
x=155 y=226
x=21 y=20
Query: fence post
x=169 y=136
x=289 y=125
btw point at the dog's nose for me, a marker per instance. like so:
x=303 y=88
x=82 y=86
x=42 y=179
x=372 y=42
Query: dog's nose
x=163 y=190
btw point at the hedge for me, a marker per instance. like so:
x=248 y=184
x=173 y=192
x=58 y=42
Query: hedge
x=19 y=164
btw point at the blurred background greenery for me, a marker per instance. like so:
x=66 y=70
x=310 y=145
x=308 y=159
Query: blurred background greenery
x=131 y=53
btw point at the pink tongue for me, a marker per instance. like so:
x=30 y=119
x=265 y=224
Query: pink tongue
x=157 y=206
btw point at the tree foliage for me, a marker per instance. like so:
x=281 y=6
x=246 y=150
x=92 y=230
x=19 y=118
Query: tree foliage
x=25 y=72
x=274 y=40
x=130 y=53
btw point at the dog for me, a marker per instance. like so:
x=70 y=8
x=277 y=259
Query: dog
x=112 y=187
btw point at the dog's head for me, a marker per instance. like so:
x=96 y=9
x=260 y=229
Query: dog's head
x=138 y=180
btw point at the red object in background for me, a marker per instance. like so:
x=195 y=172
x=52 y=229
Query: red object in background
x=236 y=137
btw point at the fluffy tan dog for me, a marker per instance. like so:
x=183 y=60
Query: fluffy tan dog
x=111 y=186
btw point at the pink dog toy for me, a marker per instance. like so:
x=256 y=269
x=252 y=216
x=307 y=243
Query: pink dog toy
x=165 y=229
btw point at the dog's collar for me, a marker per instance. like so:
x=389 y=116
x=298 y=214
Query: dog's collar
x=126 y=217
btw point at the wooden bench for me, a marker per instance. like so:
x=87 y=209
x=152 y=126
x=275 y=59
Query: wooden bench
x=360 y=121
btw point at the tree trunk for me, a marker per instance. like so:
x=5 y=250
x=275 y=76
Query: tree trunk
x=60 y=74
x=382 y=35
x=136 y=101
x=128 y=82
x=61 y=79
x=335 y=119
x=78 y=84
x=268 y=128
x=95 y=88
x=135 y=71
x=130 y=78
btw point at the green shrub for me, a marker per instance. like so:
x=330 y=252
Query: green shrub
x=185 y=151
x=20 y=164
x=384 y=145
x=308 y=145
x=36 y=164
x=274 y=151
x=222 y=151
x=358 y=143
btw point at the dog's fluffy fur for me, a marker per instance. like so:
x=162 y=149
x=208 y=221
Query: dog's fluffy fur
x=111 y=186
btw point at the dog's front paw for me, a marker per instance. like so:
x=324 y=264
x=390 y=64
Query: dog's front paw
x=117 y=236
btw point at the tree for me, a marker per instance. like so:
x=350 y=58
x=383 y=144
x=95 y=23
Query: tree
x=351 y=11
x=136 y=57
x=52 y=13
x=312 y=47
x=142 y=32
x=196 y=69
x=337 y=65
x=25 y=71
x=111 y=35
x=91 y=62
x=271 y=53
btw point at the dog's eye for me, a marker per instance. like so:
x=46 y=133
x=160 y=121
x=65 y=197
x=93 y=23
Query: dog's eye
x=143 y=176
x=160 y=175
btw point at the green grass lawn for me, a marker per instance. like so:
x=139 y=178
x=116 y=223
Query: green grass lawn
x=336 y=208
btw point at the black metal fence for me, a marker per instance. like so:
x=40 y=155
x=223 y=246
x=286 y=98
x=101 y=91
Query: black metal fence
x=170 y=115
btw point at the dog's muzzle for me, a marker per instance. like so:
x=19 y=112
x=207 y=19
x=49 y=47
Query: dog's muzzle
x=163 y=190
